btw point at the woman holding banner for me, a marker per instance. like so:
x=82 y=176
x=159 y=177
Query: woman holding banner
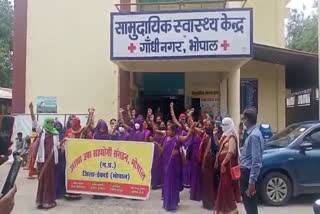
x=136 y=133
x=101 y=132
x=76 y=131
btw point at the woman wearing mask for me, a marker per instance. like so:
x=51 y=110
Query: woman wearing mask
x=73 y=132
x=146 y=131
x=120 y=134
x=196 y=191
x=61 y=167
x=136 y=133
x=157 y=164
x=47 y=157
x=228 y=156
x=207 y=159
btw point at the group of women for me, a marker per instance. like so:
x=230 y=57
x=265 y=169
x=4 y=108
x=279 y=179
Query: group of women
x=188 y=154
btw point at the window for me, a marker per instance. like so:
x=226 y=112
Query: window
x=314 y=138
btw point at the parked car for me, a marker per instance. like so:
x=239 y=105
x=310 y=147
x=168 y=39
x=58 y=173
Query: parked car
x=291 y=164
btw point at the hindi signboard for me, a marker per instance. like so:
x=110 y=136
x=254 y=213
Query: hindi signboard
x=111 y=168
x=181 y=34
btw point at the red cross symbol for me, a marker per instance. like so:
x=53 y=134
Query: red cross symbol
x=225 y=45
x=132 y=48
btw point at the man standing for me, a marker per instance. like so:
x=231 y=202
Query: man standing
x=251 y=161
x=20 y=144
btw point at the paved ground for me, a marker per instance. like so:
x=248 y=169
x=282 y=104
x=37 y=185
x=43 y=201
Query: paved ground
x=27 y=190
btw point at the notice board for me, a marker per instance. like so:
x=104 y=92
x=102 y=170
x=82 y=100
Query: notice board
x=248 y=94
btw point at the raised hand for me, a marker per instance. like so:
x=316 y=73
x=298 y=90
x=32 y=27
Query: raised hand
x=171 y=105
x=31 y=106
x=128 y=108
x=121 y=110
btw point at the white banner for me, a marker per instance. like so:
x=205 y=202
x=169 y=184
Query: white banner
x=181 y=34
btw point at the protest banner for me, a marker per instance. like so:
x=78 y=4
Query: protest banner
x=110 y=168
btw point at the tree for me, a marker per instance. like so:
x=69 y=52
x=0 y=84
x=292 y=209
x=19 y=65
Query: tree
x=302 y=32
x=6 y=23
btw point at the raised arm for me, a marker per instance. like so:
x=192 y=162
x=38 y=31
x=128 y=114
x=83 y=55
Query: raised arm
x=121 y=113
x=173 y=116
x=183 y=139
x=35 y=123
x=33 y=117
x=125 y=126
x=129 y=112
x=155 y=128
x=198 y=131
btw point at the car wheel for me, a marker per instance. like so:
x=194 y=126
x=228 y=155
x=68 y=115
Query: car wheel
x=275 y=189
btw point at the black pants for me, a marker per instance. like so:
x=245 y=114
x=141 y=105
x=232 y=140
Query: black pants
x=250 y=203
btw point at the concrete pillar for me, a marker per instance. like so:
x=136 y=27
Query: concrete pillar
x=281 y=97
x=224 y=94
x=234 y=96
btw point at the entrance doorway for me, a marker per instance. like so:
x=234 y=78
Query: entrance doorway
x=158 y=90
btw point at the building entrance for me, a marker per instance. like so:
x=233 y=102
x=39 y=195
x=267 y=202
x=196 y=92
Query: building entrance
x=158 y=90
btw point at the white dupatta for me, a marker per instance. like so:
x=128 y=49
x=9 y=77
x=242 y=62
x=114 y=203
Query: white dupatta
x=41 y=151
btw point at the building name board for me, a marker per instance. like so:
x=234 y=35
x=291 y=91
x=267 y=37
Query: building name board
x=181 y=34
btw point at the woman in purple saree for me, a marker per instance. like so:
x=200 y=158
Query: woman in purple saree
x=173 y=163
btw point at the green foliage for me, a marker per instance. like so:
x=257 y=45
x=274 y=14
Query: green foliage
x=302 y=32
x=6 y=22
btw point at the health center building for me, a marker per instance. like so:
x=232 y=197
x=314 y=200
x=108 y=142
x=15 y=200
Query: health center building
x=217 y=56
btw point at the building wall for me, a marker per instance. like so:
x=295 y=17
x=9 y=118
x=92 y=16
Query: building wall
x=271 y=91
x=68 y=45
x=269 y=21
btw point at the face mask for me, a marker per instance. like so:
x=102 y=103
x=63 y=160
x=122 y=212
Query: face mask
x=162 y=128
x=183 y=121
x=224 y=128
x=158 y=123
x=137 y=126
x=121 y=129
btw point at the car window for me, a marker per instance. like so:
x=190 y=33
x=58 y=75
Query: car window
x=314 y=138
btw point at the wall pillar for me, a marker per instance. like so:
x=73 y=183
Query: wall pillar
x=281 y=77
x=224 y=94
x=124 y=76
x=19 y=56
x=234 y=96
